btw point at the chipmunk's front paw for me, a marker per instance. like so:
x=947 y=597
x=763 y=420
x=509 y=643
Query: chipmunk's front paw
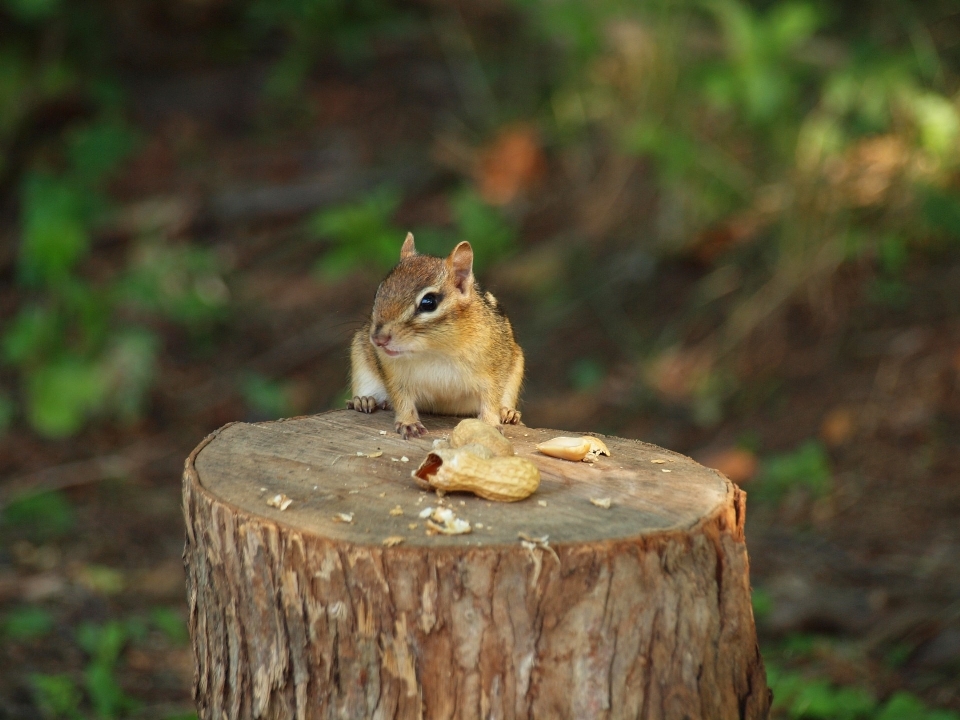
x=366 y=403
x=509 y=416
x=411 y=430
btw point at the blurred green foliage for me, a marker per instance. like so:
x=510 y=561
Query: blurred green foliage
x=268 y=398
x=27 y=622
x=170 y=622
x=801 y=697
x=43 y=516
x=801 y=137
x=762 y=604
x=103 y=645
x=904 y=706
x=806 y=468
x=804 y=697
x=60 y=696
x=778 y=132
x=796 y=667
x=57 y=696
x=81 y=347
x=311 y=28
x=85 y=348
x=362 y=234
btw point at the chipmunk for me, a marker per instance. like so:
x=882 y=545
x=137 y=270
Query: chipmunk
x=436 y=342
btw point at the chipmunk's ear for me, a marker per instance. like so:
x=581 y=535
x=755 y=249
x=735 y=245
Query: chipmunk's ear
x=460 y=263
x=408 y=248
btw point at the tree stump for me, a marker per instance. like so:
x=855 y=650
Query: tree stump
x=639 y=610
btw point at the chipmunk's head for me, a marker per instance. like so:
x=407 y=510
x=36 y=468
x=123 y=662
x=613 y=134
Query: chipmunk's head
x=418 y=302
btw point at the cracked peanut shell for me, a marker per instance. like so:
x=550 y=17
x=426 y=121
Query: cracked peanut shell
x=503 y=479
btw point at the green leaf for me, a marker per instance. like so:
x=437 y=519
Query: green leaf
x=819 y=700
x=893 y=253
x=171 y=623
x=32 y=333
x=484 y=227
x=27 y=622
x=63 y=394
x=56 y=695
x=361 y=232
x=800 y=644
x=789 y=24
x=97 y=150
x=101 y=579
x=103 y=643
x=676 y=152
x=105 y=692
x=32 y=10
x=806 y=467
x=46 y=515
x=54 y=230
x=267 y=397
x=941 y=210
x=762 y=603
x=903 y=706
x=938 y=122
x=941 y=715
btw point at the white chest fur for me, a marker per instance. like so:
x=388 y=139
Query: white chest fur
x=439 y=383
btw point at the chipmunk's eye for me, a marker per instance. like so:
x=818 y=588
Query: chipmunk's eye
x=428 y=303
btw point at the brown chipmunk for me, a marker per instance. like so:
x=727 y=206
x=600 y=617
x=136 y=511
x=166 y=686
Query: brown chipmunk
x=435 y=342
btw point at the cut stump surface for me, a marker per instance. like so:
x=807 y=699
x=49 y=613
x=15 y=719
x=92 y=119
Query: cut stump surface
x=639 y=610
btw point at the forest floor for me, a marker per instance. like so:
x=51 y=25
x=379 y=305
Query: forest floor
x=858 y=585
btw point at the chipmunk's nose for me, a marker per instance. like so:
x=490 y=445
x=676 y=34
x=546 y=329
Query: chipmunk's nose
x=381 y=340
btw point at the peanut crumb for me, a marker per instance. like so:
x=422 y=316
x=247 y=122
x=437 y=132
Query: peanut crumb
x=392 y=540
x=397 y=511
x=601 y=502
x=280 y=501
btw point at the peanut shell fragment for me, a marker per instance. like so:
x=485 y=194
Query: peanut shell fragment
x=574 y=448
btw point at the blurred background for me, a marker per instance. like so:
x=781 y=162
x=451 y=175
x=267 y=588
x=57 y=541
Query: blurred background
x=728 y=227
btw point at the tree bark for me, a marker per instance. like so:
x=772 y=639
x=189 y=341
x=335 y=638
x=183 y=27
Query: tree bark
x=641 y=610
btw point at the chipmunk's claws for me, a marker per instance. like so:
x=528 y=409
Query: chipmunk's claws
x=365 y=403
x=509 y=416
x=411 y=430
